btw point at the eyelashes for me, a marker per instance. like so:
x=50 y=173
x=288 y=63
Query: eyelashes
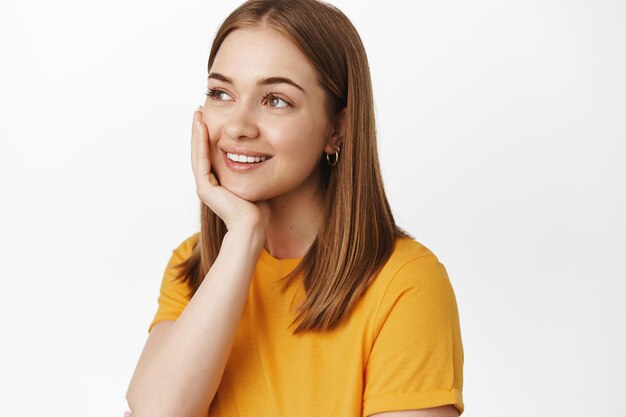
x=271 y=96
x=215 y=94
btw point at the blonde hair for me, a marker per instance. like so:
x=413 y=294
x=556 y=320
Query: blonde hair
x=358 y=233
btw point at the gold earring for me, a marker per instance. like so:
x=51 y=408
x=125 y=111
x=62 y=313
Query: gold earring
x=335 y=160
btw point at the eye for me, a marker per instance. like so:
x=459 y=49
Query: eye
x=274 y=100
x=215 y=94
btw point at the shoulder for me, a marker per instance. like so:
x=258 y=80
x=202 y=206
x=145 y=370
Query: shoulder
x=185 y=248
x=410 y=261
x=407 y=249
x=412 y=272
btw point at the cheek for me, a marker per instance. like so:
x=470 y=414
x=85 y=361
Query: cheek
x=295 y=136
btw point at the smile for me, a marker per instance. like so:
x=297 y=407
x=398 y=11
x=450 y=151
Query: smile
x=241 y=162
x=245 y=158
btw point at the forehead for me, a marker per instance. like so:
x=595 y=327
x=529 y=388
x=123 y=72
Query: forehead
x=249 y=54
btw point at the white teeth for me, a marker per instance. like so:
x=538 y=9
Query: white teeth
x=245 y=158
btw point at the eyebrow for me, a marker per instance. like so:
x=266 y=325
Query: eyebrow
x=260 y=81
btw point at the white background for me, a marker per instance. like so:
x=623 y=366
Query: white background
x=501 y=132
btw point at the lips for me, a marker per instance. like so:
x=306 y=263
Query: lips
x=242 y=160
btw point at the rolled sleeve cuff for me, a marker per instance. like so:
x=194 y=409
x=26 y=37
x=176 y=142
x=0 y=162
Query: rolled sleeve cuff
x=414 y=401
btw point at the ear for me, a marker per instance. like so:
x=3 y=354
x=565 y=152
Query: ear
x=337 y=133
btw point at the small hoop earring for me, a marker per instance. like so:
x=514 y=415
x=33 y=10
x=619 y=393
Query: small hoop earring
x=335 y=160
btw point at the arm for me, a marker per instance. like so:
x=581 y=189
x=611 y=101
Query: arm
x=183 y=361
x=445 y=411
x=179 y=372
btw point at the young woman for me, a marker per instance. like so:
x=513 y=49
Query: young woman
x=299 y=296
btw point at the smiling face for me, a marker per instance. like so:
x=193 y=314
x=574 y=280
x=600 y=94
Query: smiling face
x=265 y=116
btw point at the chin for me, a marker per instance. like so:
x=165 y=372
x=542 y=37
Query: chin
x=248 y=196
x=246 y=192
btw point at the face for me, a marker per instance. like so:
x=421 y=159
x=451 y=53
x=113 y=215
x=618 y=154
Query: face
x=265 y=114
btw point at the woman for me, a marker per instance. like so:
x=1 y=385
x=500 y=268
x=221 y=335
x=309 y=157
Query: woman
x=299 y=296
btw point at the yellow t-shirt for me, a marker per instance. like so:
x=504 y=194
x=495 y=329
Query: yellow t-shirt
x=400 y=349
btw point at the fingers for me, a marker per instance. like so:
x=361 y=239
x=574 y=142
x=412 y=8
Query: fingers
x=195 y=133
x=200 y=158
x=203 y=164
x=193 y=141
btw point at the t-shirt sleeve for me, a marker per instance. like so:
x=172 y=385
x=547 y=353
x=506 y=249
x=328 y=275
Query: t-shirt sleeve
x=416 y=360
x=174 y=294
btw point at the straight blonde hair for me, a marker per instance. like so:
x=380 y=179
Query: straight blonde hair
x=358 y=233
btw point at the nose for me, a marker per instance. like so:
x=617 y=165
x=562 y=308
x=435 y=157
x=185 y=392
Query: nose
x=242 y=123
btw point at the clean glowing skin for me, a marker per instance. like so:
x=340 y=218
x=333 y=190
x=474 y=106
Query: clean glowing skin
x=268 y=131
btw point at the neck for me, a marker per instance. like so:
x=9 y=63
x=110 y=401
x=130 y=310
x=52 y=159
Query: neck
x=294 y=222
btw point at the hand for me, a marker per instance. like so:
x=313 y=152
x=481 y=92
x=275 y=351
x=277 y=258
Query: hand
x=128 y=414
x=236 y=212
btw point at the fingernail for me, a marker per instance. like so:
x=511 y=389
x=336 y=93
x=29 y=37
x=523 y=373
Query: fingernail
x=126 y=414
x=196 y=125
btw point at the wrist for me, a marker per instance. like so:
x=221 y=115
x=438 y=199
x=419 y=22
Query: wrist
x=251 y=237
